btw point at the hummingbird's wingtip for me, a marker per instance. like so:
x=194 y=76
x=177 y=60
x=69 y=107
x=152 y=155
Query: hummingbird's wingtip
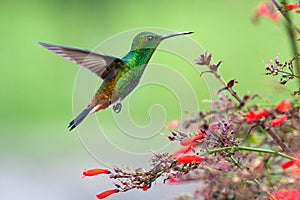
x=71 y=125
x=43 y=44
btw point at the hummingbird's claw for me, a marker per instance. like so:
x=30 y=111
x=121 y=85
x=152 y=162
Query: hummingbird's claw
x=117 y=107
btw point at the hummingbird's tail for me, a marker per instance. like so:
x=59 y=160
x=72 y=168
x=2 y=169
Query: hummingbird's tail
x=79 y=118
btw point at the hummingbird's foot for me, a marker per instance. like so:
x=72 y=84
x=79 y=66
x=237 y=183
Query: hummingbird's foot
x=117 y=107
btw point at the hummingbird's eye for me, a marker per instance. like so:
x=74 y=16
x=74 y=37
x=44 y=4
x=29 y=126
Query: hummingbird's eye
x=150 y=38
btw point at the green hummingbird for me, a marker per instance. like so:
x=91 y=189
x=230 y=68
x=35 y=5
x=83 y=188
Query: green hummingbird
x=120 y=76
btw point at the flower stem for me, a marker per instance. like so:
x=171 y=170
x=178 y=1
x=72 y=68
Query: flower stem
x=278 y=140
x=259 y=150
x=230 y=90
x=291 y=29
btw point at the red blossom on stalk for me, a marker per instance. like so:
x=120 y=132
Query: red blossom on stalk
x=292 y=6
x=284 y=106
x=291 y=194
x=253 y=116
x=184 y=159
x=94 y=172
x=107 y=193
x=279 y=120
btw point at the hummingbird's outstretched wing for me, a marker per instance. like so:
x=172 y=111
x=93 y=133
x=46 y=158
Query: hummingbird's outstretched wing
x=102 y=65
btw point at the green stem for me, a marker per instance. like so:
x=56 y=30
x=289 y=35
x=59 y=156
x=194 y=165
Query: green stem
x=291 y=29
x=259 y=150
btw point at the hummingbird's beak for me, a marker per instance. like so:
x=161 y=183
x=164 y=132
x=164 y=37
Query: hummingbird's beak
x=175 y=34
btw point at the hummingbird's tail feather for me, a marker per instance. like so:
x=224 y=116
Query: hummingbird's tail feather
x=79 y=118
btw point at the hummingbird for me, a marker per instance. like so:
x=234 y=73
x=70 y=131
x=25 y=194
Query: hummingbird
x=120 y=75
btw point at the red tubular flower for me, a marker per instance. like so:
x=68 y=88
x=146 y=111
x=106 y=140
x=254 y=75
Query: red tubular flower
x=291 y=6
x=291 y=194
x=94 y=172
x=182 y=151
x=295 y=170
x=105 y=194
x=189 y=141
x=256 y=115
x=279 y=120
x=189 y=159
x=287 y=164
x=284 y=106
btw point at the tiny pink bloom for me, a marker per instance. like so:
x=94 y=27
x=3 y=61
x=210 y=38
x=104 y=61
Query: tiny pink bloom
x=267 y=10
x=275 y=17
x=263 y=9
x=105 y=194
x=174 y=124
x=173 y=180
x=213 y=126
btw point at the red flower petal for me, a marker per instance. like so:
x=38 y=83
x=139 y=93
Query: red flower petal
x=279 y=120
x=292 y=6
x=145 y=188
x=291 y=194
x=93 y=172
x=189 y=141
x=181 y=151
x=284 y=106
x=262 y=113
x=287 y=164
x=189 y=159
x=173 y=180
x=253 y=116
x=107 y=193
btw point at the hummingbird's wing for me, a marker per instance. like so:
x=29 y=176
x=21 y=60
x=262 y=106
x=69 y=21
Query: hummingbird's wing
x=102 y=65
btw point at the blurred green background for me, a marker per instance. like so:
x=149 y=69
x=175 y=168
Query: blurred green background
x=39 y=158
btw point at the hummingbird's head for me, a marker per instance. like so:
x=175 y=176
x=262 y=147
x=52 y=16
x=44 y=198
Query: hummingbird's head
x=148 y=40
